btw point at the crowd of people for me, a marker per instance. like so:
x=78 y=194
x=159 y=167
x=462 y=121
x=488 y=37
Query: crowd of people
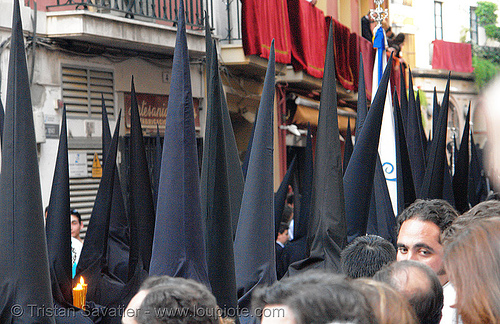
x=445 y=269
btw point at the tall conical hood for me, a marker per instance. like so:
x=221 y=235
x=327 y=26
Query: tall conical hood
x=476 y=179
x=157 y=165
x=406 y=188
x=358 y=179
x=24 y=268
x=118 y=241
x=178 y=247
x=362 y=106
x=216 y=199
x=414 y=140
x=404 y=97
x=348 y=146
x=423 y=137
x=142 y=210
x=436 y=108
x=433 y=184
x=254 y=249
x=382 y=221
x=103 y=287
x=327 y=231
x=301 y=221
x=234 y=170
x=281 y=194
x=95 y=246
x=58 y=226
x=461 y=176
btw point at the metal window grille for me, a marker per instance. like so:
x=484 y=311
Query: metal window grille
x=438 y=19
x=82 y=88
x=473 y=26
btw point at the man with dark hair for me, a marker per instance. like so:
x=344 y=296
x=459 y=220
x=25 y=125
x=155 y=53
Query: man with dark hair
x=365 y=255
x=181 y=301
x=164 y=299
x=76 y=240
x=420 y=227
x=76 y=224
x=312 y=297
x=419 y=284
x=281 y=240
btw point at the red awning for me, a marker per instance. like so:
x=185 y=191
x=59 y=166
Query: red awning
x=452 y=56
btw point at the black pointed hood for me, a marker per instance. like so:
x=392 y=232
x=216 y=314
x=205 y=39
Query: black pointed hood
x=157 y=165
x=358 y=179
x=233 y=165
x=58 y=226
x=24 y=268
x=142 y=210
x=215 y=187
x=176 y=251
x=348 y=148
x=254 y=246
x=301 y=221
x=404 y=97
x=327 y=231
x=461 y=176
x=281 y=194
x=406 y=188
x=118 y=241
x=414 y=140
x=433 y=184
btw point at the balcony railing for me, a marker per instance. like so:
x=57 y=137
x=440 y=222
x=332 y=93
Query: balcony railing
x=163 y=10
x=225 y=17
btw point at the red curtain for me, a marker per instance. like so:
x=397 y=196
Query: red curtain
x=452 y=56
x=342 y=48
x=307 y=24
x=366 y=48
x=263 y=20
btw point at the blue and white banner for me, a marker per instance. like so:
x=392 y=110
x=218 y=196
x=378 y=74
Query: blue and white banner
x=387 y=143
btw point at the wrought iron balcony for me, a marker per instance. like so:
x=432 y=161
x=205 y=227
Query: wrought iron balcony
x=159 y=10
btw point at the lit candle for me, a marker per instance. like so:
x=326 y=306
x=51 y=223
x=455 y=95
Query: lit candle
x=80 y=294
x=84 y=286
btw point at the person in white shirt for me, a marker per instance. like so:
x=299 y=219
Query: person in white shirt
x=419 y=238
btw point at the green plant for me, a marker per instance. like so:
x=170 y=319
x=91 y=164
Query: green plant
x=484 y=70
x=487 y=18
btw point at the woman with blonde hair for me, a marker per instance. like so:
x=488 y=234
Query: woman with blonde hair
x=388 y=305
x=472 y=261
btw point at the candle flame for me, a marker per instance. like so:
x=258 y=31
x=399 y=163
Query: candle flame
x=79 y=287
x=81 y=280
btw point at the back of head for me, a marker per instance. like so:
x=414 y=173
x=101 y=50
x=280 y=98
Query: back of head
x=419 y=284
x=365 y=255
x=485 y=209
x=281 y=290
x=472 y=259
x=388 y=305
x=316 y=297
x=438 y=211
x=181 y=301
x=336 y=301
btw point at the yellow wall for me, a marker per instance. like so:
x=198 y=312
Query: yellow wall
x=345 y=12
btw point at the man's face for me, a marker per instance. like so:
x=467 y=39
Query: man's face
x=284 y=237
x=419 y=241
x=76 y=227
